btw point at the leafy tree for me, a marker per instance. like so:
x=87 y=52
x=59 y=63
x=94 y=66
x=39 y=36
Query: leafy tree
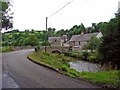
x=102 y=27
x=88 y=30
x=109 y=49
x=45 y=43
x=51 y=31
x=60 y=32
x=6 y=18
x=31 y=40
x=82 y=28
x=93 y=43
x=94 y=28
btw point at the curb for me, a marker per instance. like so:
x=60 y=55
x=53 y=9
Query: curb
x=56 y=70
x=46 y=66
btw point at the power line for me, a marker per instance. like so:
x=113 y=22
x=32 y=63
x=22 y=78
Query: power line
x=61 y=8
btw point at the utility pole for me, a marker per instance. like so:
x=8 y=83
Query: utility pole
x=46 y=36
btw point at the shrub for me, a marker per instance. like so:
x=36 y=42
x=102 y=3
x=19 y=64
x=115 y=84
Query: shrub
x=64 y=68
x=75 y=55
x=92 y=58
x=80 y=55
x=6 y=49
x=85 y=55
x=67 y=53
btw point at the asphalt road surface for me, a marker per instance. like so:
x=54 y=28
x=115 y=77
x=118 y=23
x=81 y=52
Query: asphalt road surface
x=26 y=74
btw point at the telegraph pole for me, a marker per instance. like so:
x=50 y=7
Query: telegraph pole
x=46 y=36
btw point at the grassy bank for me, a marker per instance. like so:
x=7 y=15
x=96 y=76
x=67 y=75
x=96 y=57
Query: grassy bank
x=59 y=62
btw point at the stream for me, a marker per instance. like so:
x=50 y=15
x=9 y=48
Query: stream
x=83 y=66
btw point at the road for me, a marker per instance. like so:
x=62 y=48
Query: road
x=27 y=74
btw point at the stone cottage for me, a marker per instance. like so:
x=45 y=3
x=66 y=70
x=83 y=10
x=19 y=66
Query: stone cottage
x=78 y=41
x=57 y=41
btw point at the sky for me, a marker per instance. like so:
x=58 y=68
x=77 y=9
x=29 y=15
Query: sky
x=31 y=14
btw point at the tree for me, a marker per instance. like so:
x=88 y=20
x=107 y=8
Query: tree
x=82 y=28
x=6 y=18
x=51 y=31
x=93 y=43
x=61 y=32
x=102 y=27
x=94 y=28
x=109 y=49
x=45 y=43
x=31 y=40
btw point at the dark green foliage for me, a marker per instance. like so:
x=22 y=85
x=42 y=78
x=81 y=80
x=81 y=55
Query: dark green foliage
x=31 y=40
x=45 y=43
x=102 y=26
x=109 y=49
x=92 y=58
x=85 y=55
x=51 y=32
x=6 y=49
x=93 y=43
x=6 y=18
x=22 y=38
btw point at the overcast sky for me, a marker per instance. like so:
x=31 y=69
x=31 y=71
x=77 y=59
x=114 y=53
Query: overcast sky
x=30 y=14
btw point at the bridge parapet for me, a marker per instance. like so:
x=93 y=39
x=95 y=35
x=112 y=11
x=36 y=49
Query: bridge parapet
x=56 y=48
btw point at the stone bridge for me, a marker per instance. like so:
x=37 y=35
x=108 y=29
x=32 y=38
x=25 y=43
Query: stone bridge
x=55 y=49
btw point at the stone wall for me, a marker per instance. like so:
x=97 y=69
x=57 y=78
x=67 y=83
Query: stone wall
x=14 y=48
x=55 y=48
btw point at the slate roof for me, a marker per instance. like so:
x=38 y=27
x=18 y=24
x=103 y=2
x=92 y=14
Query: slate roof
x=50 y=39
x=82 y=38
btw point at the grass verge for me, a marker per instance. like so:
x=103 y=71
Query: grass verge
x=59 y=62
x=6 y=49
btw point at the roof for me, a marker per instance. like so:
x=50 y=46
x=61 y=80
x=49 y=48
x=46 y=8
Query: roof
x=50 y=39
x=83 y=37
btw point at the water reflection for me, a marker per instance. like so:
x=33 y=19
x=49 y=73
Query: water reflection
x=82 y=66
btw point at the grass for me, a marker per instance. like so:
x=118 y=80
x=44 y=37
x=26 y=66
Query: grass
x=110 y=78
x=54 y=60
x=59 y=62
x=5 y=49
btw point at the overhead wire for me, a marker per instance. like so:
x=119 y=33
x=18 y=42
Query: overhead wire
x=61 y=8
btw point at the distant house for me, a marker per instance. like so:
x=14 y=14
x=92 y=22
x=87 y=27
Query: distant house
x=75 y=43
x=57 y=41
x=78 y=41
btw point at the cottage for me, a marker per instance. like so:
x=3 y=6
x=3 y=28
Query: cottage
x=78 y=41
x=57 y=41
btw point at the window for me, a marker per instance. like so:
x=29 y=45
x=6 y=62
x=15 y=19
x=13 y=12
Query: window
x=55 y=41
x=74 y=43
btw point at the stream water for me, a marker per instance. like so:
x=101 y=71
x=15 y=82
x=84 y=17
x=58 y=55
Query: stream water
x=83 y=66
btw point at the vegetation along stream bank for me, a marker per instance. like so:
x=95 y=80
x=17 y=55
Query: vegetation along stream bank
x=60 y=63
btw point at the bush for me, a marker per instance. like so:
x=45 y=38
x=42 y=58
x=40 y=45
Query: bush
x=92 y=58
x=85 y=55
x=75 y=55
x=63 y=68
x=6 y=49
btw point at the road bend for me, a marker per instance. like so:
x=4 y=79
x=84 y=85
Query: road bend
x=27 y=74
